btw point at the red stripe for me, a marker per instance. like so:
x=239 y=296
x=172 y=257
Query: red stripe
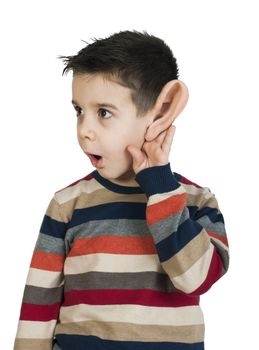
x=119 y=296
x=223 y=239
x=47 y=261
x=186 y=181
x=214 y=274
x=36 y=312
x=165 y=208
x=114 y=245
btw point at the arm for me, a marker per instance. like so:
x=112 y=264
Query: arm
x=191 y=240
x=43 y=291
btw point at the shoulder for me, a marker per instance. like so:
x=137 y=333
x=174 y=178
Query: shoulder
x=72 y=191
x=196 y=192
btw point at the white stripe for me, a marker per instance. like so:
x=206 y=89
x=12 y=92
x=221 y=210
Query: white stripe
x=192 y=189
x=43 y=278
x=220 y=243
x=196 y=274
x=112 y=263
x=35 y=329
x=84 y=186
x=138 y=314
x=159 y=197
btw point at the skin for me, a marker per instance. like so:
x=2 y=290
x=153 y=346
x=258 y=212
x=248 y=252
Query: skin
x=127 y=143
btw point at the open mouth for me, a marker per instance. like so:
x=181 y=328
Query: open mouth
x=96 y=156
x=96 y=160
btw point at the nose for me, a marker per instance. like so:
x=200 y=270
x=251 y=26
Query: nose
x=85 y=129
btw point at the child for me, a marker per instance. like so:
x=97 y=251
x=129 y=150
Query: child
x=124 y=253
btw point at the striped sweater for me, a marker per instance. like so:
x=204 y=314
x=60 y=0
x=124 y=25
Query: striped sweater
x=118 y=267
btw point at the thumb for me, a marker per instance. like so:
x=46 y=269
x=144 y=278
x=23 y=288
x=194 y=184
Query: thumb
x=136 y=154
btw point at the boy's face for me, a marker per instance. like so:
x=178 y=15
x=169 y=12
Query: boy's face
x=105 y=131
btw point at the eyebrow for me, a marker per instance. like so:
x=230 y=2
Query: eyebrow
x=104 y=104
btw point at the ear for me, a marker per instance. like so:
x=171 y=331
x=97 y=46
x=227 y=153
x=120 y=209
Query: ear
x=169 y=104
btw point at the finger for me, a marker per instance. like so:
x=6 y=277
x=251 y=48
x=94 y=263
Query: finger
x=160 y=138
x=137 y=155
x=168 y=138
x=155 y=131
x=166 y=133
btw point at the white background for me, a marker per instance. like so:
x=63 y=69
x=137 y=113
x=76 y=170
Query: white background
x=216 y=46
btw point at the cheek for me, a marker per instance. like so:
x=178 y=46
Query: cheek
x=121 y=139
x=114 y=145
x=134 y=134
x=117 y=148
x=135 y=137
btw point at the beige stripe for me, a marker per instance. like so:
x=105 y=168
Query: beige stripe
x=159 y=197
x=68 y=197
x=53 y=209
x=90 y=186
x=202 y=198
x=186 y=257
x=104 y=196
x=134 y=332
x=69 y=193
x=87 y=194
x=140 y=314
x=193 y=190
x=87 y=188
x=35 y=329
x=43 y=278
x=196 y=275
x=112 y=263
x=32 y=344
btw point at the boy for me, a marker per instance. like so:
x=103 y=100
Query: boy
x=125 y=252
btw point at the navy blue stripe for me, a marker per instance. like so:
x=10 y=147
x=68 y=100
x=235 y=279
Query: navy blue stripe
x=115 y=187
x=177 y=176
x=116 y=210
x=157 y=179
x=81 y=342
x=53 y=227
x=124 y=210
x=171 y=245
x=212 y=213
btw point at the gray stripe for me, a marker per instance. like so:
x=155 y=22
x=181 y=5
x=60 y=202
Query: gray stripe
x=164 y=228
x=126 y=228
x=50 y=244
x=217 y=227
x=102 y=280
x=223 y=254
x=42 y=296
x=116 y=227
x=99 y=280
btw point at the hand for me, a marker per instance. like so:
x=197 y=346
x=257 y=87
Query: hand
x=153 y=153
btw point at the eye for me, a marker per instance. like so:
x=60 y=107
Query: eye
x=105 y=110
x=77 y=110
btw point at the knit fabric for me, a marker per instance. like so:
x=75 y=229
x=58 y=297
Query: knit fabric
x=122 y=268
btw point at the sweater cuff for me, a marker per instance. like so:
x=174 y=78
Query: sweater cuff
x=157 y=179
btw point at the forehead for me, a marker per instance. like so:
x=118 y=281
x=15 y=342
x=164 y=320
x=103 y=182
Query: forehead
x=88 y=88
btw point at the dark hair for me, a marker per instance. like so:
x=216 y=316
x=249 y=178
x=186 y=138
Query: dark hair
x=139 y=61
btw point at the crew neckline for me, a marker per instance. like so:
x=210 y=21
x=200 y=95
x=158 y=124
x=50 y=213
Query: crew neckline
x=116 y=187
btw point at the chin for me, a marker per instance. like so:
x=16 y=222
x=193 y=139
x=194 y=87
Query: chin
x=122 y=175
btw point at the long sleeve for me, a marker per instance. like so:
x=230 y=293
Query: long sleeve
x=43 y=291
x=188 y=229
